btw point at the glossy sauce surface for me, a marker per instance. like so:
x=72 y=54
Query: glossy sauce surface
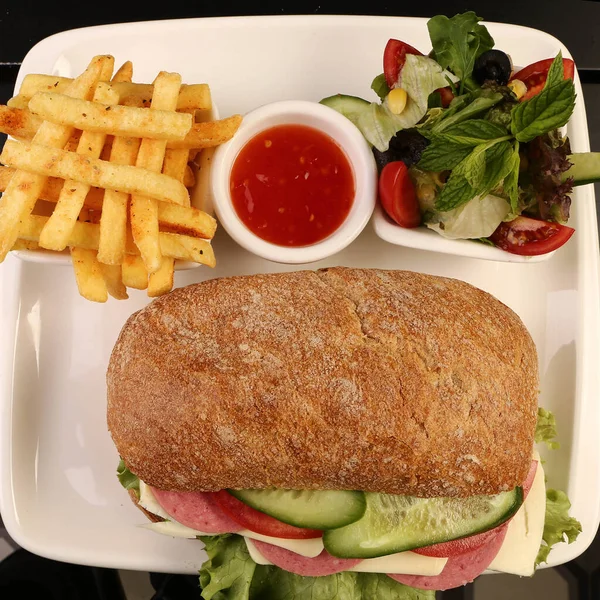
x=292 y=185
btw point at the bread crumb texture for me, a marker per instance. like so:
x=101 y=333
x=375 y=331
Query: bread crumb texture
x=385 y=381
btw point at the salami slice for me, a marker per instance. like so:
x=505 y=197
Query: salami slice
x=319 y=566
x=464 y=545
x=197 y=510
x=461 y=569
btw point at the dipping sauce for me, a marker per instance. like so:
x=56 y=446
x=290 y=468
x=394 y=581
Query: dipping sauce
x=292 y=185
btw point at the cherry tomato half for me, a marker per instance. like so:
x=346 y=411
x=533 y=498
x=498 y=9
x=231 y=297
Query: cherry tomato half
x=530 y=237
x=397 y=195
x=258 y=522
x=394 y=57
x=534 y=76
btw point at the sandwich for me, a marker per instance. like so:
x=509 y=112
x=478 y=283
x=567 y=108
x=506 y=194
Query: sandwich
x=341 y=433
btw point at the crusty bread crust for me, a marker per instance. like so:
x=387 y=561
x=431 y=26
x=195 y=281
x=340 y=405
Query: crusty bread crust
x=385 y=381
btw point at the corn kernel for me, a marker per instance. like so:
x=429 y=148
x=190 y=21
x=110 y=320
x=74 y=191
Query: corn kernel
x=397 y=100
x=518 y=88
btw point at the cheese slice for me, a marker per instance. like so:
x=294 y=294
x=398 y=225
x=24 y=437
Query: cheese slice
x=309 y=548
x=524 y=536
x=405 y=563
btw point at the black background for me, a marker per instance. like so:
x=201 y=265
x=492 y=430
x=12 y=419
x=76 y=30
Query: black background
x=575 y=23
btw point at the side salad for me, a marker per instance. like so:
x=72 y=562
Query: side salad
x=469 y=146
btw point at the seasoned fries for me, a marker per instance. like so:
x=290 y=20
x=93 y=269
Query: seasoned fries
x=105 y=117
x=103 y=167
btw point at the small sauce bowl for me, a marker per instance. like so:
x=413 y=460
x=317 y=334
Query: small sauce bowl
x=341 y=131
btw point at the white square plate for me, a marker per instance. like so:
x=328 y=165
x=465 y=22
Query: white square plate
x=59 y=495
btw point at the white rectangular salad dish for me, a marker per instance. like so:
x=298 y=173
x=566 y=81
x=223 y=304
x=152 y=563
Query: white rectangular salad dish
x=59 y=495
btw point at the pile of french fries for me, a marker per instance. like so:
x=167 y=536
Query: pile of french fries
x=102 y=168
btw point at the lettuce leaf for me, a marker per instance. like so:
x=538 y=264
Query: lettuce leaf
x=478 y=218
x=420 y=76
x=230 y=574
x=545 y=429
x=128 y=480
x=558 y=524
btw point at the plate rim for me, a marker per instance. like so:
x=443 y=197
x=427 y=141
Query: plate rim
x=591 y=284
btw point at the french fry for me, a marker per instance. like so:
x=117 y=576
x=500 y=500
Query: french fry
x=189 y=179
x=161 y=281
x=195 y=96
x=105 y=117
x=206 y=135
x=201 y=196
x=88 y=274
x=18 y=122
x=201 y=135
x=52 y=162
x=25 y=245
x=133 y=272
x=72 y=196
x=24 y=188
x=171 y=217
x=175 y=163
x=144 y=208
x=186 y=221
x=113 y=224
x=87 y=235
x=123 y=73
x=18 y=101
x=114 y=283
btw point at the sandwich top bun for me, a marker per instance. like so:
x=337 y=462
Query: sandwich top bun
x=384 y=381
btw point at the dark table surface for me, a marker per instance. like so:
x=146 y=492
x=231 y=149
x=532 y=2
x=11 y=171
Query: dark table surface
x=575 y=23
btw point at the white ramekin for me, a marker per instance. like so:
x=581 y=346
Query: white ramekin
x=347 y=136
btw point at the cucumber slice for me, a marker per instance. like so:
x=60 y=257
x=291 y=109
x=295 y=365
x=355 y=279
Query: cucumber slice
x=585 y=169
x=311 y=509
x=349 y=106
x=397 y=523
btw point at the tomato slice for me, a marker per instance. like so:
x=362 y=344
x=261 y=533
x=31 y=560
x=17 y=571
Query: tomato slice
x=446 y=96
x=530 y=237
x=394 y=57
x=258 y=522
x=534 y=76
x=397 y=195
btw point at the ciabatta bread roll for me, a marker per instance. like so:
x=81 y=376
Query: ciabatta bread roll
x=384 y=381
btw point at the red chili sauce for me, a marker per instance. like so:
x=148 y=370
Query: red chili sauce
x=292 y=185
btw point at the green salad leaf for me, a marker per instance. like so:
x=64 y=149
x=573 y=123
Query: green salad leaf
x=477 y=219
x=380 y=86
x=230 y=574
x=548 y=110
x=511 y=181
x=545 y=429
x=420 y=76
x=469 y=133
x=458 y=41
x=128 y=480
x=556 y=72
x=558 y=525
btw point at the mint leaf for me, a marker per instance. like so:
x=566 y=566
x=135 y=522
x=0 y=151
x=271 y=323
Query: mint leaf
x=556 y=72
x=474 y=167
x=461 y=114
x=511 y=181
x=442 y=156
x=380 y=86
x=472 y=133
x=550 y=109
x=498 y=164
x=458 y=41
x=455 y=192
